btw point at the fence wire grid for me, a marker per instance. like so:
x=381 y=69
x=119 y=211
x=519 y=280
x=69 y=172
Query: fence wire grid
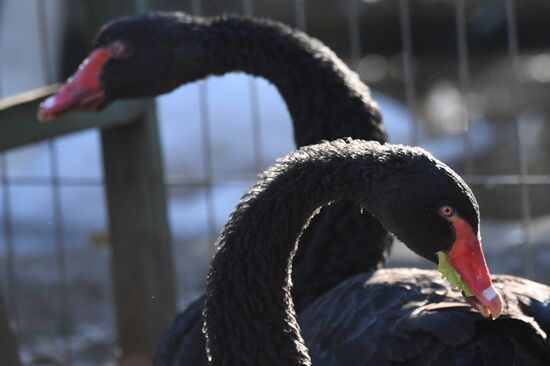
x=54 y=184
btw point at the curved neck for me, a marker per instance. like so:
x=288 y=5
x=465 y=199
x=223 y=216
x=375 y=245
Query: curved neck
x=250 y=317
x=326 y=100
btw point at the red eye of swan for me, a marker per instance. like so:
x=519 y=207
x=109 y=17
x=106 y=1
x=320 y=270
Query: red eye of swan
x=118 y=49
x=446 y=211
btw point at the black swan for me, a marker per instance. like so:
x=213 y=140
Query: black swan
x=331 y=249
x=249 y=313
x=153 y=54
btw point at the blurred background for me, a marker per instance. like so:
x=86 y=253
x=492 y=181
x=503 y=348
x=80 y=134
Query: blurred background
x=468 y=80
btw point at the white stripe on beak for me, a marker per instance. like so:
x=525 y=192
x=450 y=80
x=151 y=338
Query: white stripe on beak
x=489 y=293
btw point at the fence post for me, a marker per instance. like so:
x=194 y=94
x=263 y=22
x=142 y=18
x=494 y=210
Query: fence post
x=141 y=250
x=142 y=270
x=9 y=353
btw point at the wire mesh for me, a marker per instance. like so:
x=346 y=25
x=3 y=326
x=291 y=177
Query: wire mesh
x=248 y=10
x=9 y=283
x=7 y=229
x=196 y=9
x=353 y=29
x=57 y=214
x=513 y=54
x=175 y=180
x=522 y=179
x=408 y=71
x=464 y=80
x=300 y=14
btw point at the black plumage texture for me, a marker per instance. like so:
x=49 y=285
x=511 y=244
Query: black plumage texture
x=411 y=317
x=249 y=313
x=325 y=98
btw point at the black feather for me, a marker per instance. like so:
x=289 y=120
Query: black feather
x=411 y=317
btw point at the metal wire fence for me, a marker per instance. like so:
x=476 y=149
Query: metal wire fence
x=302 y=12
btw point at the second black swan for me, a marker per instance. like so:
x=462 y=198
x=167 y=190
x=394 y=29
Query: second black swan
x=153 y=54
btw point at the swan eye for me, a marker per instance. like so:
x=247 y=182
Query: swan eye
x=446 y=211
x=118 y=49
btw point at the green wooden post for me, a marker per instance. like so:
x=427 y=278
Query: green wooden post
x=9 y=353
x=18 y=124
x=141 y=250
x=143 y=278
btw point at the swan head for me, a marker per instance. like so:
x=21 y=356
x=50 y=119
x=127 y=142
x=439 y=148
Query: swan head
x=434 y=212
x=133 y=57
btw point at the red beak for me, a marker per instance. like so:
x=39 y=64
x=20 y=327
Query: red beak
x=466 y=256
x=82 y=91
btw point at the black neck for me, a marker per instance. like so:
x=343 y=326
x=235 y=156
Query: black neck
x=325 y=98
x=250 y=317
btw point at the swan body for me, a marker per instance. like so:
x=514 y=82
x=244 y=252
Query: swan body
x=404 y=316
